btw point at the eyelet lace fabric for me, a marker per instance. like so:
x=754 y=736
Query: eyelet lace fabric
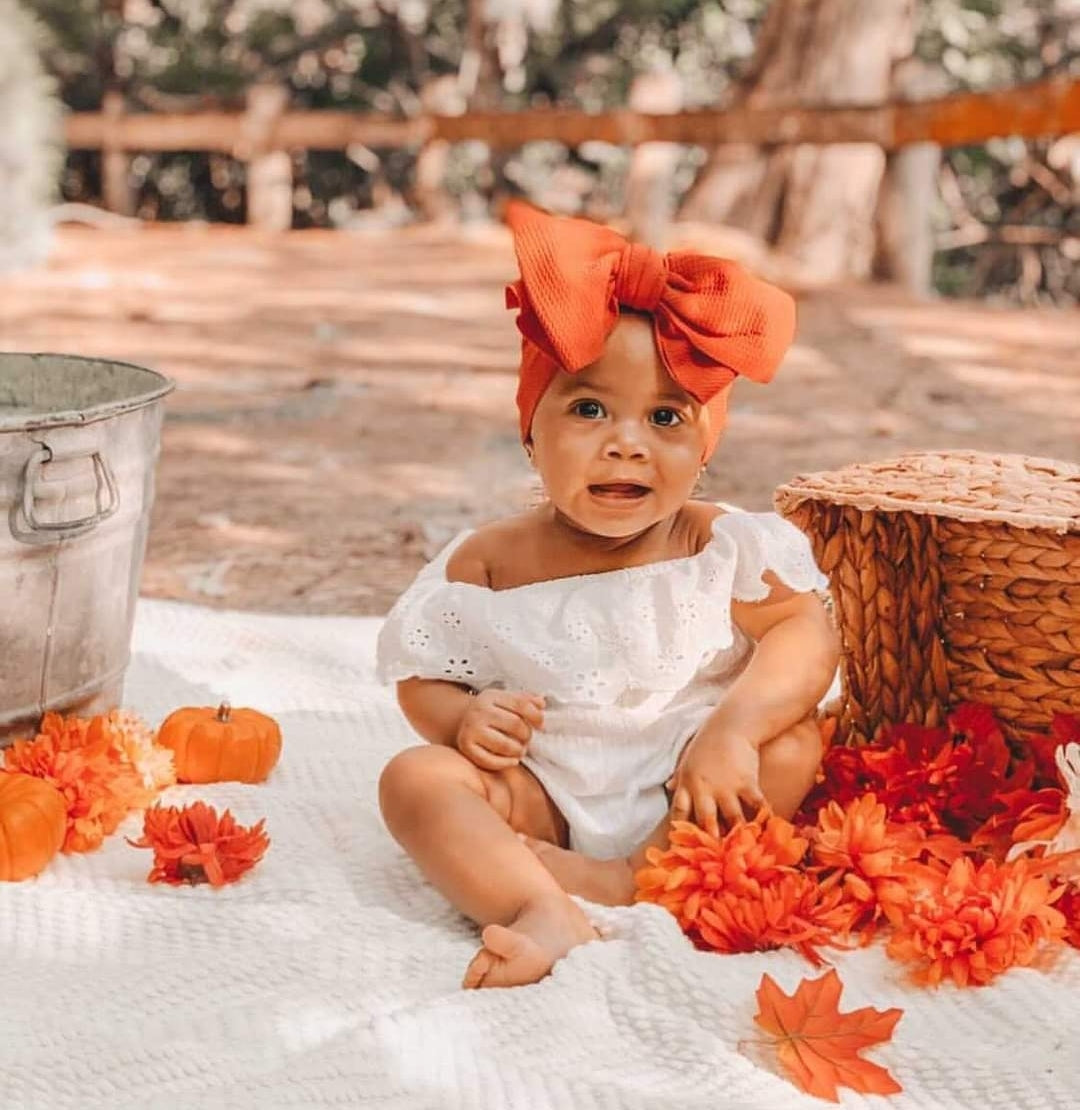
x=593 y=638
x=630 y=661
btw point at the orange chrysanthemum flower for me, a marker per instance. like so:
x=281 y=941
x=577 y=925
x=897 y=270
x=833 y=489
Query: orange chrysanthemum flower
x=876 y=861
x=78 y=757
x=974 y=923
x=133 y=741
x=744 y=892
x=194 y=845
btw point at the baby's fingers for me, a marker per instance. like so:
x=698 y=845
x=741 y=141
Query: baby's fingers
x=680 y=805
x=754 y=800
x=529 y=707
x=705 y=810
x=498 y=742
x=728 y=804
x=491 y=762
x=505 y=721
x=487 y=760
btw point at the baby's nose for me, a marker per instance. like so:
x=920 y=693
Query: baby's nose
x=625 y=445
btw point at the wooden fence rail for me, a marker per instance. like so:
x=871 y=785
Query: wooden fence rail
x=1044 y=109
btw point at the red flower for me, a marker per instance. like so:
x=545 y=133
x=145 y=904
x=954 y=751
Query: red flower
x=1069 y=905
x=946 y=780
x=843 y=777
x=193 y=845
x=1022 y=815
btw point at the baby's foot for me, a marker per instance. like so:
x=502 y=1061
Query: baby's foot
x=525 y=950
x=608 y=882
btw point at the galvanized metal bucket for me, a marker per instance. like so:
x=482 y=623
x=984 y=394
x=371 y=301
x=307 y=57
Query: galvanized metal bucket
x=79 y=440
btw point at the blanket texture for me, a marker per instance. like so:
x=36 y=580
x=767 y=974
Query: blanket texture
x=329 y=975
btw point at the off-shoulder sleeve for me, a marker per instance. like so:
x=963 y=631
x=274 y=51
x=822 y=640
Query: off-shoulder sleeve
x=766 y=541
x=433 y=630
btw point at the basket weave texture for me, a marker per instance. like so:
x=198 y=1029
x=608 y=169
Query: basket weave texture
x=955 y=577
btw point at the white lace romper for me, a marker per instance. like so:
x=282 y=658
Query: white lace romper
x=630 y=662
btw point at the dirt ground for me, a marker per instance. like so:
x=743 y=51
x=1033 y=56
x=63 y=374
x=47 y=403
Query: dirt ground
x=345 y=399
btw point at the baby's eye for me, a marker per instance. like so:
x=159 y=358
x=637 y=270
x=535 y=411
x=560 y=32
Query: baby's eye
x=591 y=410
x=666 y=418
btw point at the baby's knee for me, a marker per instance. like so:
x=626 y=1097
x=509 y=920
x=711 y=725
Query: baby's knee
x=408 y=778
x=797 y=751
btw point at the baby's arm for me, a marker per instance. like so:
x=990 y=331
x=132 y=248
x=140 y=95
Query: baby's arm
x=791 y=669
x=434 y=707
x=492 y=728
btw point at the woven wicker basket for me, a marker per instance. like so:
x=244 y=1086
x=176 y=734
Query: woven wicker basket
x=955 y=577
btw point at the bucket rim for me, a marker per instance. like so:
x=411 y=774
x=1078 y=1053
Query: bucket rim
x=30 y=421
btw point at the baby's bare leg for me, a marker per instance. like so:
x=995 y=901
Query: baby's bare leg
x=788 y=766
x=459 y=824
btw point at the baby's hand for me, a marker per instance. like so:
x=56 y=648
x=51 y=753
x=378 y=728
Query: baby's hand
x=497 y=727
x=716 y=777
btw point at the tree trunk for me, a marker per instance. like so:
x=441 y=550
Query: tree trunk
x=905 y=236
x=438 y=96
x=813 y=204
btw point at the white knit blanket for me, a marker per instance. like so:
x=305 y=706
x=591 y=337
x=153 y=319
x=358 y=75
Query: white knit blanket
x=330 y=974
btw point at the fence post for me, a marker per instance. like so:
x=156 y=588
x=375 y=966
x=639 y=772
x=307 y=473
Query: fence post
x=650 y=203
x=438 y=96
x=904 y=236
x=116 y=191
x=269 y=171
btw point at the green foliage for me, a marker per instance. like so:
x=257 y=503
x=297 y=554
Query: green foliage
x=378 y=55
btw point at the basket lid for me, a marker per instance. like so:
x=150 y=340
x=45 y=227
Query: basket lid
x=964 y=485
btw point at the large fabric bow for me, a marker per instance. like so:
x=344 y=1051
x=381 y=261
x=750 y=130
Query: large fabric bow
x=712 y=320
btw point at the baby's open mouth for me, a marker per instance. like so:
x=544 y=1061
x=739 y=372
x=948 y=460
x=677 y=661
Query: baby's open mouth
x=624 y=491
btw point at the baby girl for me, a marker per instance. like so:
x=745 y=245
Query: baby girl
x=623 y=655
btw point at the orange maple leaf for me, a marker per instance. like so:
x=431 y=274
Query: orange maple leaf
x=819 y=1046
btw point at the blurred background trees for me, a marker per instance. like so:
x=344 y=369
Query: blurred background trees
x=30 y=153
x=837 y=211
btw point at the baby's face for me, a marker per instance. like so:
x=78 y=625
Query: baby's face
x=619 y=445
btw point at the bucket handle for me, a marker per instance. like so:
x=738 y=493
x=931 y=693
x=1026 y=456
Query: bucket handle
x=68 y=528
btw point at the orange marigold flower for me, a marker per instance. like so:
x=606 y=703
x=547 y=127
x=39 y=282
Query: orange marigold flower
x=194 y=845
x=972 y=924
x=743 y=892
x=76 y=756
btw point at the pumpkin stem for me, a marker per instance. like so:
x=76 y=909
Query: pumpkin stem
x=224 y=710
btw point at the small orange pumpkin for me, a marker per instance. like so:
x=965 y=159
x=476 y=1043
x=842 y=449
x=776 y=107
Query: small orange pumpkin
x=221 y=745
x=33 y=822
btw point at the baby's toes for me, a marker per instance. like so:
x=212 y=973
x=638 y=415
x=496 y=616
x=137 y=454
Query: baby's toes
x=517 y=959
x=478 y=968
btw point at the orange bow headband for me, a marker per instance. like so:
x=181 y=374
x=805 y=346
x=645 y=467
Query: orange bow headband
x=712 y=321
